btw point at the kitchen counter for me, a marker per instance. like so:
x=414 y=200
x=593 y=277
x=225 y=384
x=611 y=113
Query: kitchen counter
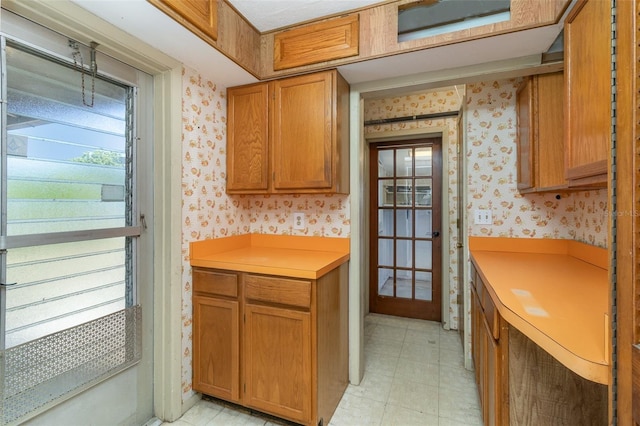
x=556 y=292
x=285 y=255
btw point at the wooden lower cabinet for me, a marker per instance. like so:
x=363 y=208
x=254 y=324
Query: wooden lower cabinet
x=488 y=349
x=277 y=361
x=279 y=346
x=215 y=348
x=518 y=382
x=216 y=334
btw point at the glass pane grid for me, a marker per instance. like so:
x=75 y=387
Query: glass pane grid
x=405 y=223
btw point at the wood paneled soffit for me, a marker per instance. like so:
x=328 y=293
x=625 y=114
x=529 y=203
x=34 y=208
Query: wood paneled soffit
x=376 y=27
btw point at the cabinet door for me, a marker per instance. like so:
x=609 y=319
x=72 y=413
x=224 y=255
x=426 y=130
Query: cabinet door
x=549 y=134
x=216 y=363
x=588 y=92
x=248 y=139
x=277 y=361
x=203 y=14
x=492 y=404
x=303 y=132
x=525 y=136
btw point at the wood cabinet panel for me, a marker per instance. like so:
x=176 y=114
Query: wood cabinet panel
x=248 y=139
x=215 y=282
x=319 y=42
x=635 y=391
x=588 y=92
x=525 y=140
x=277 y=361
x=543 y=391
x=289 y=136
x=540 y=139
x=203 y=14
x=303 y=134
x=216 y=365
x=278 y=290
x=488 y=340
x=281 y=347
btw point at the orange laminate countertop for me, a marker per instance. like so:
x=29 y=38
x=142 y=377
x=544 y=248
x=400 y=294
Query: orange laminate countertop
x=291 y=256
x=556 y=292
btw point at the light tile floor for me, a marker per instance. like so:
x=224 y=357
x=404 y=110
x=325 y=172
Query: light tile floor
x=414 y=375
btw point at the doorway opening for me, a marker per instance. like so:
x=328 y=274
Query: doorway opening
x=405 y=215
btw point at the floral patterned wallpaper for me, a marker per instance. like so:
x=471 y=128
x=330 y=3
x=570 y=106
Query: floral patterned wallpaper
x=492 y=178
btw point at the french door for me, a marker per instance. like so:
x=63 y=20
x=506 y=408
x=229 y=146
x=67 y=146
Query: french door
x=405 y=218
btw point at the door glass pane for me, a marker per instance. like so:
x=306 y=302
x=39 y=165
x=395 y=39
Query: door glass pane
x=423 y=254
x=423 y=223
x=385 y=222
x=74 y=283
x=65 y=165
x=404 y=162
x=423 y=192
x=424 y=289
x=385 y=251
x=404 y=192
x=385 y=282
x=404 y=223
x=386 y=192
x=404 y=256
x=404 y=284
x=423 y=162
x=385 y=163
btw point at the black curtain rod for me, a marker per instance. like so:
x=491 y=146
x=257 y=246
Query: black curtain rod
x=413 y=118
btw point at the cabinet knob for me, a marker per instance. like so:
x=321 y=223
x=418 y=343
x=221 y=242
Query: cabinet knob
x=435 y=234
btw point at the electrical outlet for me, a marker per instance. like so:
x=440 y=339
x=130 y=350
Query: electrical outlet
x=298 y=220
x=482 y=217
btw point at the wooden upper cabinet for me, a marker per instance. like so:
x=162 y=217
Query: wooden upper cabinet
x=540 y=137
x=324 y=41
x=248 y=138
x=525 y=138
x=588 y=92
x=303 y=132
x=300 y=124
x=203 y=14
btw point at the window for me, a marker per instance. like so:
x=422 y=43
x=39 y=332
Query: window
x=70 y=222
x=424 y=19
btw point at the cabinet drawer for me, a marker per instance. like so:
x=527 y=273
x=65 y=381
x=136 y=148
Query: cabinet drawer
x=215 y=282
x=278 y=290
x=480 y=289
x=491 y=314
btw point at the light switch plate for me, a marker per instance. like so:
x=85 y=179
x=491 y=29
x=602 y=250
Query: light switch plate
x=298 y=220
x=482 y=217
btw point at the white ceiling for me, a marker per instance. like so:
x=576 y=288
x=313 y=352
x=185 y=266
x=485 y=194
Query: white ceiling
x=144 y=21
x=268 y=15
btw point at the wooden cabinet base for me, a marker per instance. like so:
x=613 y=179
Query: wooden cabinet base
x=544 y=392
x=292 y=360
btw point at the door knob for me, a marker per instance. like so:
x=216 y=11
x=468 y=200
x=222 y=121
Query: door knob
x=435 y=234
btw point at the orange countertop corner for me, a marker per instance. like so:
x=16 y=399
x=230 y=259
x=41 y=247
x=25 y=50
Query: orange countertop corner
x=556 y=292
x=286 y=255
